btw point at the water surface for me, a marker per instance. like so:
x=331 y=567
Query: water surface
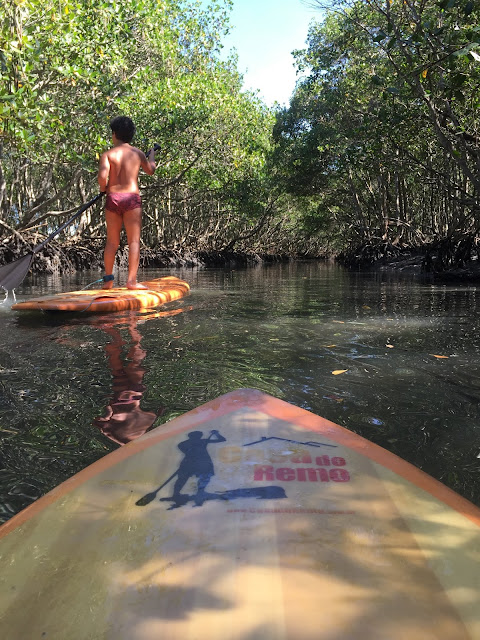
x=73 y=388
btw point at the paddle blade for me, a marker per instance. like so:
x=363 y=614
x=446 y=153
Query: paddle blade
x=12 y=274
x=149 y=497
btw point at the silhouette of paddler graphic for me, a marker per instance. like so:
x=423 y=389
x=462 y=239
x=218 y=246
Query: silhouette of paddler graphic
x=196 y=463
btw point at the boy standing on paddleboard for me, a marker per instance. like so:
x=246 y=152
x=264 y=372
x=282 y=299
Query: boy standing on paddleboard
x=118 y=176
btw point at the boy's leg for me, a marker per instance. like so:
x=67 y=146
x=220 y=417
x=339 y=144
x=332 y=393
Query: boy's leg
x=133 y=226
x=114 y=228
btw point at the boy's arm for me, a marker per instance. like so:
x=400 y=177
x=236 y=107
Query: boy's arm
x=148 y=164
x=215 y=437
x=103 y=172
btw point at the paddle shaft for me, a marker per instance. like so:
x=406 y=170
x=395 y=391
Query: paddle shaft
x=83 y=208
x=142 y=502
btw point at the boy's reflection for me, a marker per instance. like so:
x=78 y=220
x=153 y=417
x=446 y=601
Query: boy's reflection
x=124 y=420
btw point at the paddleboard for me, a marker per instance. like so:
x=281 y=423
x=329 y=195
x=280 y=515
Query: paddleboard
x=247 y=518
x=160 y=291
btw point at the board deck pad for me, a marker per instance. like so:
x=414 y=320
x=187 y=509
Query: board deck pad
x=160 y=291
x=247 y=519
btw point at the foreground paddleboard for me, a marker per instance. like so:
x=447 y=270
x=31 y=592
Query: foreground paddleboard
x=247 y=518
x=160 y=290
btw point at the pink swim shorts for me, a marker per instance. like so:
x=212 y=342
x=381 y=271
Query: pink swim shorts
x=121 y=202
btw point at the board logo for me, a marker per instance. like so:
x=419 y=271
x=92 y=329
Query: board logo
x=197 y=464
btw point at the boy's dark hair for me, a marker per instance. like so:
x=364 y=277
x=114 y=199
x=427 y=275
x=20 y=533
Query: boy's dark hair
x=123 y=128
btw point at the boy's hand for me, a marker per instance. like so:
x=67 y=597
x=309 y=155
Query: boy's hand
x=156 y=147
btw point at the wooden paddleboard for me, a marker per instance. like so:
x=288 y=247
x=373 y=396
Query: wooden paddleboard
x=160 y=290
x=245 y=519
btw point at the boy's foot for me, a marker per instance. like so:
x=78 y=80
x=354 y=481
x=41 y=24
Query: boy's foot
x=136 y=285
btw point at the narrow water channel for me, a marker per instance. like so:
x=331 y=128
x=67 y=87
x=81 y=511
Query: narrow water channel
x=391 y=357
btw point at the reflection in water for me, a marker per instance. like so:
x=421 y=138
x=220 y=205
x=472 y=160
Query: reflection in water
x=52 y=372
x=124 y=420
x=282 y=329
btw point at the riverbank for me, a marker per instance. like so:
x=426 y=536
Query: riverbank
x=419 y=261
x=60 y=258
x=416 y=263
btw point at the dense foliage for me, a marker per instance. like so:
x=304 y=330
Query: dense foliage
x=383 y=131
x=378 y=149
x=68 y=67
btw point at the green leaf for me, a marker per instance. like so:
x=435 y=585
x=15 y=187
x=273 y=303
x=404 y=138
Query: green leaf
x=380 y=35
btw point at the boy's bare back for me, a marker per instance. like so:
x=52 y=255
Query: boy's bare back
x=120 y=166
x=118 y=176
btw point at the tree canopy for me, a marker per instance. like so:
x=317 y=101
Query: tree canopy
x=378 y=149
x=68 y=67
x=383 y=131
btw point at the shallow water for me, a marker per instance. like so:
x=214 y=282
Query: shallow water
x=73 y=387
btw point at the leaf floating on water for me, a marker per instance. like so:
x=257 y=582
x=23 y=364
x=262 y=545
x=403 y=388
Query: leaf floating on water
x=440 y=357
x=333 y=397
x=337 y=372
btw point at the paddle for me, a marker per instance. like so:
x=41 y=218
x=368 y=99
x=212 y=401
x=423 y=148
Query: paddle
x=149 y=497
x=12 y=274
x=156 y=147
